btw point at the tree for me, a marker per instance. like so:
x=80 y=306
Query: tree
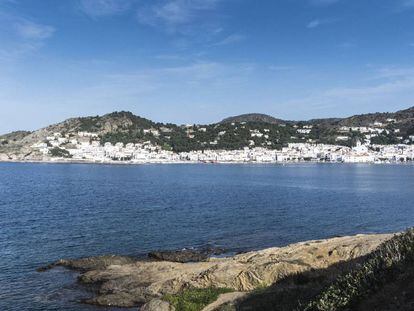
x=59 y=153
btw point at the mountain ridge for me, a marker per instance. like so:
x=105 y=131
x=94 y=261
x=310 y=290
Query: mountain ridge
x=245 y=117
x=237 y=132
x=253 y=117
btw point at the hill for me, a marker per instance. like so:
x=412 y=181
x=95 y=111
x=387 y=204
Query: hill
x=249 y=130
x=253 y=117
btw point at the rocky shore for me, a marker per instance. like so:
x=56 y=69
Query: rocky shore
x=128 y=282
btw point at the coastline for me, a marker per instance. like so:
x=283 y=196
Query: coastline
x=125 y=281
x=66 y=161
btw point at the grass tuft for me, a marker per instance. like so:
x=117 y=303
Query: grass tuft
x=195 y=299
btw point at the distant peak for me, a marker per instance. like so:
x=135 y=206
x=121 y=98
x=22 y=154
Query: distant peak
x=121 y=114
x=411 y=109
x=252 y=117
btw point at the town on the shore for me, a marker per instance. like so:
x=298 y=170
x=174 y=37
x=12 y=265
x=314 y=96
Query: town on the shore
x=87 y=147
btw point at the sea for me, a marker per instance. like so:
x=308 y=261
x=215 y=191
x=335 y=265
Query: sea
x=53 y=211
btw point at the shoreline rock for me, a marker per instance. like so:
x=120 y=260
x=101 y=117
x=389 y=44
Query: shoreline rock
x=128 y=282
x=89 y=263
x=185 y=255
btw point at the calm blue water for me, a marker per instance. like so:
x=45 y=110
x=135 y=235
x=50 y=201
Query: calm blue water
x=50 y=211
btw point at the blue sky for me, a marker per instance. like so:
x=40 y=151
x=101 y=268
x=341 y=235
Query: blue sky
x=199 y=61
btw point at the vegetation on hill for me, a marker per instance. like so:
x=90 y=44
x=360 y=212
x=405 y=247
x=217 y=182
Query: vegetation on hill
x=239 y=131
x=123 y=120
x=89 y=124
x=227 y=136
x=249 y=130
x=253 y=117
x=13 y=136
x=59 y=153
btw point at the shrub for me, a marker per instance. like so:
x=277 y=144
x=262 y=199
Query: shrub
x=195 y=299
x=382 y=266
x=60 y=153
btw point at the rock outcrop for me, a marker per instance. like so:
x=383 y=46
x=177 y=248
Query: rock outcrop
x=125 y=282
x=185 y=255
x=157 y=305
x=91 y=263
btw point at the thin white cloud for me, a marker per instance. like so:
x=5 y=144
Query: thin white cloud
x=386 y=86
x=313 y=24
x=190 y=79
x=21 y=36
x=173 y=13
x=32 y=31
x=6 y=2
x=408 y=3
x=231 y=39
x=319 y=22
x=400 y=6
x=392 y=73
x=372 y=91
x=100 y=8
